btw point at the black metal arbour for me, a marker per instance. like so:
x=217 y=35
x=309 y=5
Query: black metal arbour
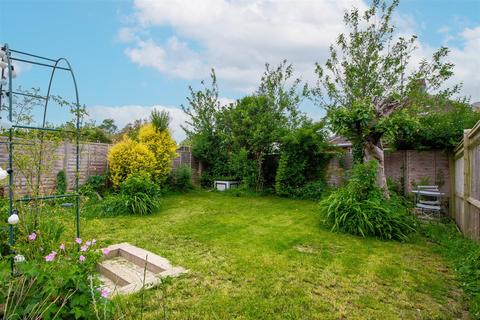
x=11 y=55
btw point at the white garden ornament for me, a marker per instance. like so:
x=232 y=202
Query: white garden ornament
x=3 y=173
x=19 y=258
x=13 y=219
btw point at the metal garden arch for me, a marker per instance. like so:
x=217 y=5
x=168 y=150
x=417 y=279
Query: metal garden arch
x=7 y=56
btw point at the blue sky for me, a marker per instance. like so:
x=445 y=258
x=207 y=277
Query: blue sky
x=130 y=56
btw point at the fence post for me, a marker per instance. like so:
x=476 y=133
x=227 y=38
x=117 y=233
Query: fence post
x=66 y=156
x=466 y=181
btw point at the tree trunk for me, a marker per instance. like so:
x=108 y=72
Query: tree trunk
x=373 y=150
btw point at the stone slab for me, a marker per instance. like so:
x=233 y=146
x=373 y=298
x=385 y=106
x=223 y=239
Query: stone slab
x=127 y=268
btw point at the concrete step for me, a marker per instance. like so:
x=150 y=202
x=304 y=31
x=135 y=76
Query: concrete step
x=123 y=270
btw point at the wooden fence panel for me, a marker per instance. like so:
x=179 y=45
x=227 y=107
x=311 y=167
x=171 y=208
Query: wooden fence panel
x=466 y=182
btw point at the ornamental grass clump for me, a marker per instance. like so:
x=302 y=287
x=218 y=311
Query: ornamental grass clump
x=138 y=195
x=359 y=208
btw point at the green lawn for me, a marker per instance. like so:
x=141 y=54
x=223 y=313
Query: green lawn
x=271 y=258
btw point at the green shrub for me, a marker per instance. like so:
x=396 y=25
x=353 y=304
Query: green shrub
x=53 y=278
x=61 y=182
x=303 y=159
x=138 y=195
x=359 y=208
x=313 y=190
x=463 y=254
x=95 y=186
x=113 y=205
x=181 y=179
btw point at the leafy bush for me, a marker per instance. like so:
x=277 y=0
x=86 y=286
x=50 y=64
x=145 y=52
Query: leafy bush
x=359 y=208
x=112 y=205
x=182 y=178
x=439 y=127
x=95 y=185
x=128 y=157
x=61 y=182
x=463 y=254
x=303 y=158
x=313 y=190
x=138 y=195
x=162 y=146
x=58 y=280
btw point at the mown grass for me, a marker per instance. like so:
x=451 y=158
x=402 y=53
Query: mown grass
x=271 y=258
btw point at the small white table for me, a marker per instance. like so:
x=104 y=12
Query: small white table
x=222 y=185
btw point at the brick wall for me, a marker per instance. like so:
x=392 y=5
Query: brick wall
x=412 y=166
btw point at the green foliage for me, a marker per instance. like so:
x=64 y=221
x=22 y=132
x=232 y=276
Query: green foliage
x=367 y=78
x=397 y=187
x=160 y=119
x=359 y=208
x=236 y=140
x=313 y=190
x=439 y=127
x=61 y=182
x=182 y=178
x=204 y=110
x=252 y=125
x=138 y=195
x=95 y=186
x=303 y=158
x=56 y=278
x=463 y=254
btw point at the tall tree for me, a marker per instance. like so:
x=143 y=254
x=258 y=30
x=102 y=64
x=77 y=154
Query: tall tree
x=368 y=77
x=284 y=92
x=203 y=110
x=109 y=126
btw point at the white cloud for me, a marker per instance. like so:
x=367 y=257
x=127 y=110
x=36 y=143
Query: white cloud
x=129 y=113
x=126 y=35
x=467 y=62
x=238 y=37
x=174 y=58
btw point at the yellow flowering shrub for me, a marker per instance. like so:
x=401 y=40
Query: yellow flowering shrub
x=163 y=147
x=128 y=157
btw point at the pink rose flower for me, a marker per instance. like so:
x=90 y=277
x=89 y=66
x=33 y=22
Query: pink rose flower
x=50 y=256
x=32 y=236
x=88 y=243
x=84 y=248
x=82 y=258
x=78 y=240
x=62 y=246
x=105 y=251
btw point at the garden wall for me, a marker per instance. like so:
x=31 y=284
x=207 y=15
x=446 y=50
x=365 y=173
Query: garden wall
x=408 y=167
